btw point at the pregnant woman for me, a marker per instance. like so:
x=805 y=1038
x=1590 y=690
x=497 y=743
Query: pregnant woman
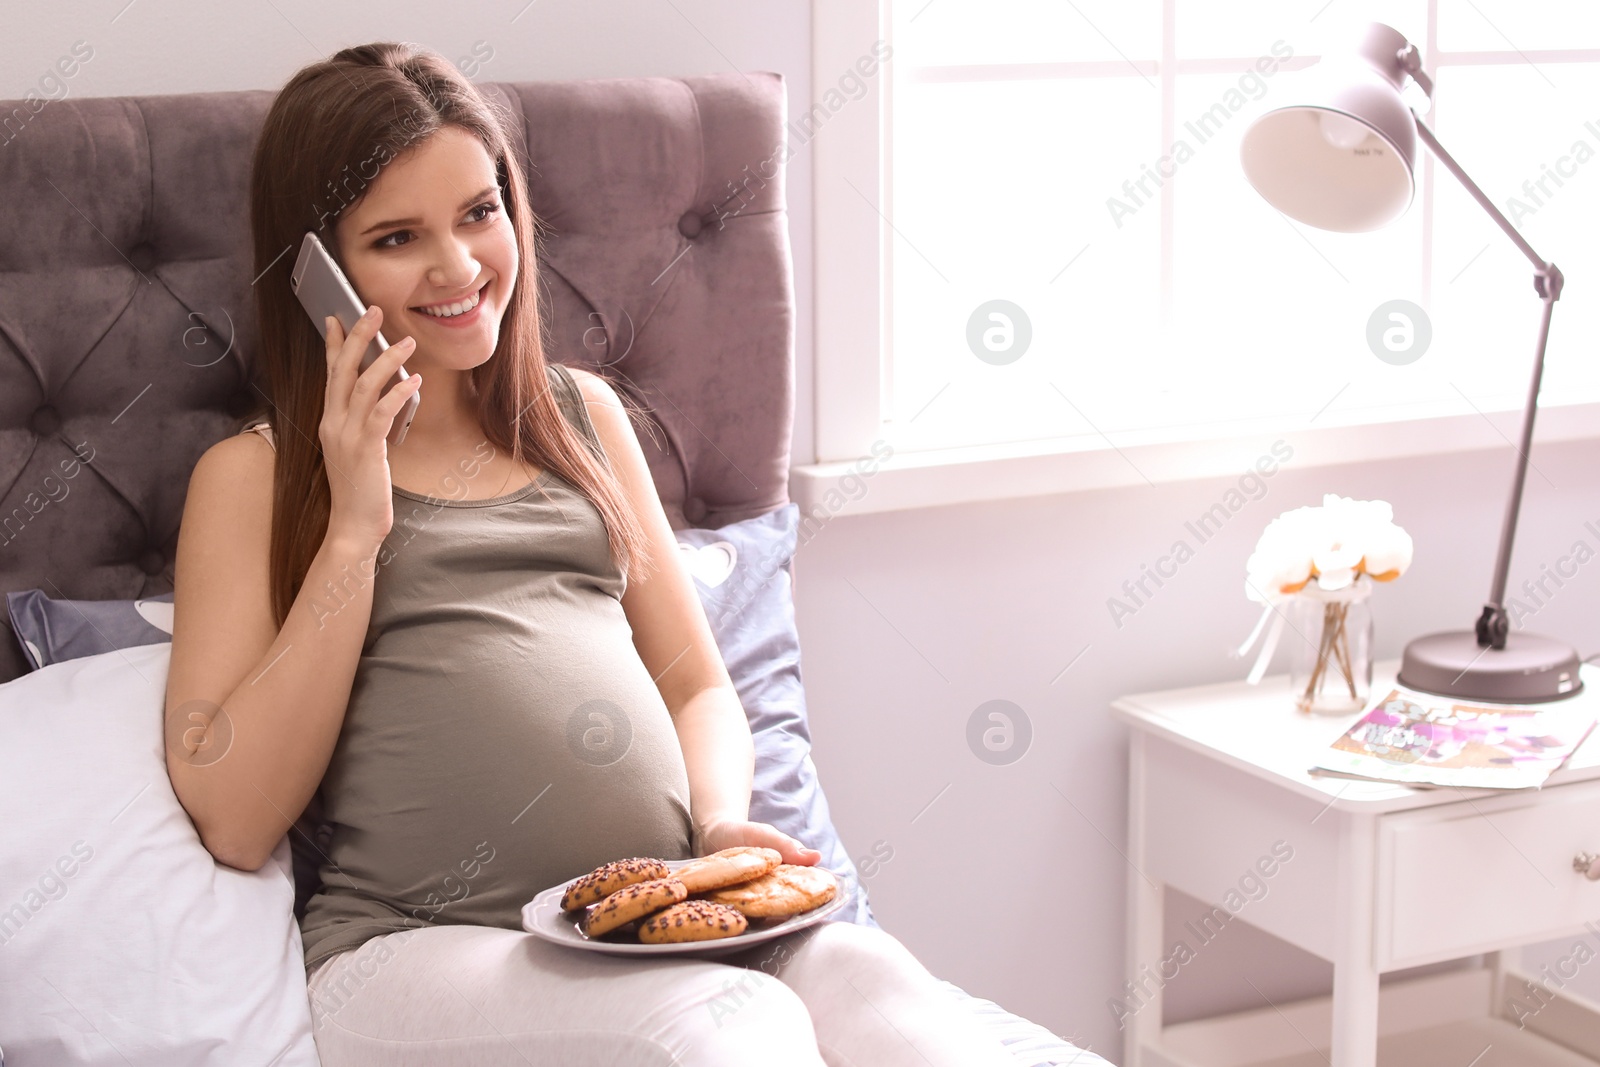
x=439 y=644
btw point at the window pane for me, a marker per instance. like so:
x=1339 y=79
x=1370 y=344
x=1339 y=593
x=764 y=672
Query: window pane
x=1046 y=194
x=1249 y=27
x=1536 y=153
x=1273 y=313
x=998 y=187
x=1517 y=25
x=936 y=32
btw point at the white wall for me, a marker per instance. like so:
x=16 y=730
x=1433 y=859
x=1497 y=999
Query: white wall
x=1011 y=882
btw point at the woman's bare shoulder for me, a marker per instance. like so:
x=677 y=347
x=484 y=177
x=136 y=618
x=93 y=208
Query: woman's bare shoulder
x=244 y=462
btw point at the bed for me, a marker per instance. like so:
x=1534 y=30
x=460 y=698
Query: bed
x=127 y=332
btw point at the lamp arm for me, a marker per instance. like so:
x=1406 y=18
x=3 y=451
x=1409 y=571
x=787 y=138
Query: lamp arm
x=1493 y=626
x=1511 y=231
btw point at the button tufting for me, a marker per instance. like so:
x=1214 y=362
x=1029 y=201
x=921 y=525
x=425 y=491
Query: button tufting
x=46 y=420
x=152 y=562
x=690 y=224
x=694 y=509
x=142 y=256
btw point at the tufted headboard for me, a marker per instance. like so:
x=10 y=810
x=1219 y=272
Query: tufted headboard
x=127 y=331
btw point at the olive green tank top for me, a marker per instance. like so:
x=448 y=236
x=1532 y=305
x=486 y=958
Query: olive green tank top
x=502 y=734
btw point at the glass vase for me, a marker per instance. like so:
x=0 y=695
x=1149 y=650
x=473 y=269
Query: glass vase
x=1330 y=637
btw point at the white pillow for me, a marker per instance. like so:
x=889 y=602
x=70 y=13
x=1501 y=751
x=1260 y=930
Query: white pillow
x=122 y=942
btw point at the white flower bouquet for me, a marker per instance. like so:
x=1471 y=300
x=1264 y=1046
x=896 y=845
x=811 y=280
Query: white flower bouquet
x=1324 y=560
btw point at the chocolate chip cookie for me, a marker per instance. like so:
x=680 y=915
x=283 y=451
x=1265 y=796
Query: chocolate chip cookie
x=692 y=920
x=632 y=902
x=610 y=877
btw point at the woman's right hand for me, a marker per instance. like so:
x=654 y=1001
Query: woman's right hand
x=355 y=424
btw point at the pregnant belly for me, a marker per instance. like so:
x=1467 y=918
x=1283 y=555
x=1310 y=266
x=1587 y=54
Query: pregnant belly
x=522 y=771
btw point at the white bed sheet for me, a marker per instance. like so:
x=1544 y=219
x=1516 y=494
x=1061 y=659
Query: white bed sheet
x=1032 y=1044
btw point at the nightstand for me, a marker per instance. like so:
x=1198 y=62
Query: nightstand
x=1372 y=877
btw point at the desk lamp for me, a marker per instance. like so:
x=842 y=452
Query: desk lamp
x=1344 y=159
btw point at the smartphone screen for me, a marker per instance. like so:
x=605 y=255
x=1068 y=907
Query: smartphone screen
x=324 y=290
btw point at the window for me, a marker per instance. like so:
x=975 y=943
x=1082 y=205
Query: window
x=1078 y=160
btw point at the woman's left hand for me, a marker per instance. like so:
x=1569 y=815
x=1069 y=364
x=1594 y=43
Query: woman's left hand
x=728 y=833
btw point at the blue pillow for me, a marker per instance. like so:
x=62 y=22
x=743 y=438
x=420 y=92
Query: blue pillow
x=51 y=631
x=744 y=577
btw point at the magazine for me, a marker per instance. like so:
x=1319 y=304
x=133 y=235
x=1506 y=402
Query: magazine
x=1417 y=738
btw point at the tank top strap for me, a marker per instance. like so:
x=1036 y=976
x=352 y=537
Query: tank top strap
x=265 y=430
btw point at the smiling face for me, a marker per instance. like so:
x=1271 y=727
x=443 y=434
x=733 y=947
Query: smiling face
x=431 y=236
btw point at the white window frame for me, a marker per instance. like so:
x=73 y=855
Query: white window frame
x=851 y=470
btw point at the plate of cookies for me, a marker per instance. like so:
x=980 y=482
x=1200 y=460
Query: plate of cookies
x=706 y=906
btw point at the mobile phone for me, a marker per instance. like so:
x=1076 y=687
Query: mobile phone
x=324 y=290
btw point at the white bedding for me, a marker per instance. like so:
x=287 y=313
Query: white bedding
x=1032 y=1044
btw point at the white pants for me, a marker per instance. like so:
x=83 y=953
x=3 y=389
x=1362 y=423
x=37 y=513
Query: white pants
x=837 y=994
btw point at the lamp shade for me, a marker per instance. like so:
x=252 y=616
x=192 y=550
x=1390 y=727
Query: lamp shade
x=1342 y=156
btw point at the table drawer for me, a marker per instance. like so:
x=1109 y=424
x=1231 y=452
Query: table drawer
x=1484 y=873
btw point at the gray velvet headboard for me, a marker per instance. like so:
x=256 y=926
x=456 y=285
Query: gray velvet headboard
x=127 y=332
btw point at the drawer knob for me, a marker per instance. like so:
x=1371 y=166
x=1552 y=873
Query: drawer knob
x=1588 y=865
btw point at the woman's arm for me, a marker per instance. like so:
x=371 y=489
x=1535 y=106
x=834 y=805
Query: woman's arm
x=675 y=643
x=720 y=756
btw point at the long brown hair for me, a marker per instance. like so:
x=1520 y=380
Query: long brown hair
x=327 y=133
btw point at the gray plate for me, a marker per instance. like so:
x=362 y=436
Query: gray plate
x=543 y=918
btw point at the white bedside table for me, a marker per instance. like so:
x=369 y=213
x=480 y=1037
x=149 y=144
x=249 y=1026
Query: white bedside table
x=1372 y=877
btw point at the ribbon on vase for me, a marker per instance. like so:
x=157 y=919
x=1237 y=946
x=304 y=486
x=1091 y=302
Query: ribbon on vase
x=1357 y=591
x=1268 y=646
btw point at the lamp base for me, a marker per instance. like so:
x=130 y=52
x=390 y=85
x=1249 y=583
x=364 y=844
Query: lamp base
x=1529 y=670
